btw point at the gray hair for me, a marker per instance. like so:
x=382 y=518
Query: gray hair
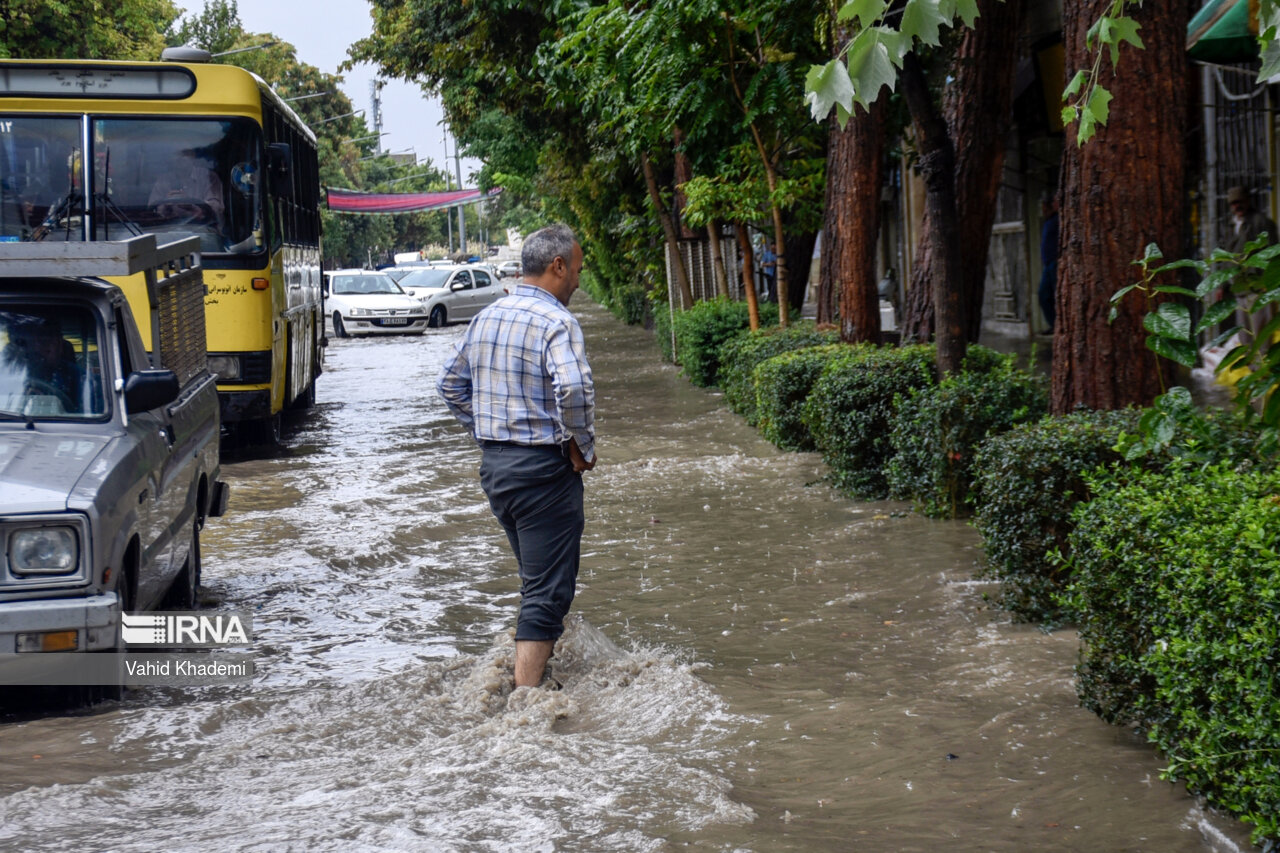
x=543 y=246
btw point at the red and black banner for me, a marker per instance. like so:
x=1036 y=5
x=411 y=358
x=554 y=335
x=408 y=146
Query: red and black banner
x=351 y=201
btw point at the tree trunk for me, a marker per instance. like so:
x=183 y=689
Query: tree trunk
x=669 y=230
x=978 y=109
x=748 y=274
x=683 y=174
x=938 y=168
x=717 y=258
x=855 y=173
x=1120 y=191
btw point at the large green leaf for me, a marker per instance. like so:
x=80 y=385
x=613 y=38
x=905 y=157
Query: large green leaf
x=1183 y=352
x=866 y=11
x=827 y=86
x=923 y=20
x=870 y=67
x=1170 y=320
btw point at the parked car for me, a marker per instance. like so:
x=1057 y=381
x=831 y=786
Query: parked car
x=364 y=302
x=507 y=268
x=452 y=294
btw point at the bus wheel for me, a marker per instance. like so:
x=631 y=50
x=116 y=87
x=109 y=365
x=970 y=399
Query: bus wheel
x=437 y=318
x=339 y=331
x=262 y=432
x=306 y=399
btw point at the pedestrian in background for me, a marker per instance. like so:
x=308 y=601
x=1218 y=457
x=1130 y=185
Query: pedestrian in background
x=769 y=266
x=520 y=382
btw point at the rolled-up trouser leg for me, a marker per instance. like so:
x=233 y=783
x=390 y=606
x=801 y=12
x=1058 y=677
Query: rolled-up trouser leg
x=537 y=497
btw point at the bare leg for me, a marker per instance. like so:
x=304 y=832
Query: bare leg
x=531 y=661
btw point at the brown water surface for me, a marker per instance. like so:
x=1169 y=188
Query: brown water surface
x=755 y=662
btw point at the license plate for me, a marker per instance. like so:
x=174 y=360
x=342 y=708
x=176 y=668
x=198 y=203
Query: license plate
x=395 y=321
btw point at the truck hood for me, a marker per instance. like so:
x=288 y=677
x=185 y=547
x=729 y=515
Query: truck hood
x=38 y=470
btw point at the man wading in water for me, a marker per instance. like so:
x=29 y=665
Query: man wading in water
x=520 y=383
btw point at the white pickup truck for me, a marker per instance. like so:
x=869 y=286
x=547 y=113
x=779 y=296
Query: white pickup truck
x=109 y=460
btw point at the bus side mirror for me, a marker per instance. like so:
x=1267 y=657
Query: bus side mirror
x=280 y=163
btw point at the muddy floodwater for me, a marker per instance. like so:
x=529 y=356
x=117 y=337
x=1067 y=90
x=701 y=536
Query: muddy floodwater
x=754 y=662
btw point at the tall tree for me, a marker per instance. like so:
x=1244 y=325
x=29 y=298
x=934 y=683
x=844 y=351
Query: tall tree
x=855 y=175
x=84 y=29
x=1122 y=190
x=977 y=105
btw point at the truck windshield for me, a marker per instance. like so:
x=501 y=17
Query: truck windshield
x=170 y=177
x=50 y=362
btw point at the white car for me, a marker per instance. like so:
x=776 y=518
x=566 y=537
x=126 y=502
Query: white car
x=364 y=302
x=507 y=268
x=453 y=294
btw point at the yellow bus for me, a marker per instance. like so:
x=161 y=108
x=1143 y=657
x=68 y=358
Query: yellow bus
x=179 y=149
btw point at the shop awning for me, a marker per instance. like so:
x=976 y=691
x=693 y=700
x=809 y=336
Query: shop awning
x=1224 y=31
x=352 y=201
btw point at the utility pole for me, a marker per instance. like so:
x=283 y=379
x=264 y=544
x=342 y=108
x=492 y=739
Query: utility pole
x=448 y=217
x=375 y=109
x=462 y=215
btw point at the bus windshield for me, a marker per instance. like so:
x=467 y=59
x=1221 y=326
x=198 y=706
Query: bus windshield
x=170 y=177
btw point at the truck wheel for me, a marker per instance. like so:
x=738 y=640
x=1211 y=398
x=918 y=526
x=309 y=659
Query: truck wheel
x=184 y=593
x=339 y=330
x=437 y=318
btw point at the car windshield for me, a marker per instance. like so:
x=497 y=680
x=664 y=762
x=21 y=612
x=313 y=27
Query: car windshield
x=171 y=177
x=346 y=285
x=50 y=362
x=431 y=278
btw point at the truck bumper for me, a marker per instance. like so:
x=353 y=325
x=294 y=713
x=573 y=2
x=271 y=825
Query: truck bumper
x=94 y=619
x=239 y=406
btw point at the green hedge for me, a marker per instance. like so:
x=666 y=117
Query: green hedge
x=740 y=356
x=1177 y=583
x=782 y=384
x=850 y=411
x=1027 y=481
x=702 y=330
x=937 y=430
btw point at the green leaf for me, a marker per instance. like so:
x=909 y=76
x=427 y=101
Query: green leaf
x=870 y=68
x=1177 y=397
x=1152 y=253
x=1182 y=264
x=1076 y=85
x=1174 y=288
x=1183 y=352
x=1170 y=320
x=1117 y=30
x=1217 y=313
x=1120 y=294
x=1213 y=281
x=866 y=11
x=1270 y=61
x=1100 y=104
x=922 y=20
x=1069 y=115
x=968 y=12
x=826 y=86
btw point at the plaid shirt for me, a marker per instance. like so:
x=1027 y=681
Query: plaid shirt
x=520 y=374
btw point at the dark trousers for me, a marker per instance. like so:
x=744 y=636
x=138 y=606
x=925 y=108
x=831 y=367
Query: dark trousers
x=1048 y=293
x=537 y=498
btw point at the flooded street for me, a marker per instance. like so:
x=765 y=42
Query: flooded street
x=754 y=662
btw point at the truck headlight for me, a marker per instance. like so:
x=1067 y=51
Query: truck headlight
x=225 y=367
x=44 y=551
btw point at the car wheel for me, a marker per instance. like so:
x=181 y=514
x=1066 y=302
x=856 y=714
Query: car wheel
x=183 y=594
x=339 y=330
x=438 y=317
